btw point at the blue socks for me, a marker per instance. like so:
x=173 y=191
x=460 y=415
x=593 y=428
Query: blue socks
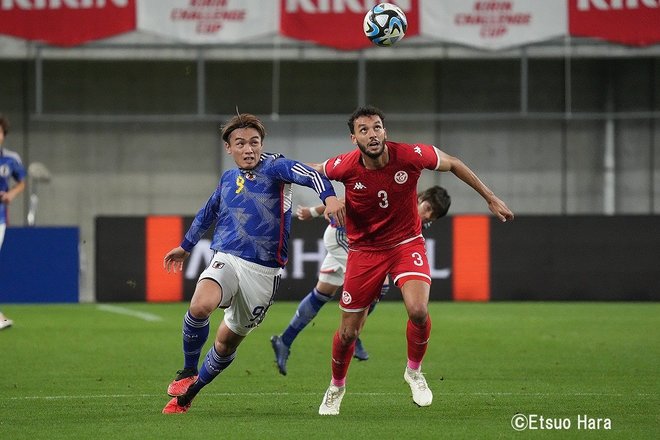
x=307 y=310
x=213 y=365
x=195 y=334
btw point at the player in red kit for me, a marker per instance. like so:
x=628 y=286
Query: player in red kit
x=385 y=238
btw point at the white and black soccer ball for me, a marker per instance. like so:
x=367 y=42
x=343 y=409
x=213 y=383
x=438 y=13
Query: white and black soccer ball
x=385 y=24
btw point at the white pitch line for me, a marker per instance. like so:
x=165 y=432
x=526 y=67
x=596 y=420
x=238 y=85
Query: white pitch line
x=476 y=394
x=128 y=312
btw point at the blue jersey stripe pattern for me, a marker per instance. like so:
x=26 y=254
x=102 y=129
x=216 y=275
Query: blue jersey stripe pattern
x=252 y=210
x=10 y=168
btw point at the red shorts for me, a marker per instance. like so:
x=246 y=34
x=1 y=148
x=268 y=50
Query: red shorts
x=366 y=271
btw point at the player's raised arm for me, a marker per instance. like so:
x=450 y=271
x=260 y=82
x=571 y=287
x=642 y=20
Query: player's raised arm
x=463 y=172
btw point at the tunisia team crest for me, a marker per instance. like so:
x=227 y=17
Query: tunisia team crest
x=346 y=297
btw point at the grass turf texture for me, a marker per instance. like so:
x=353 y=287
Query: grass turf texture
x=81 y=371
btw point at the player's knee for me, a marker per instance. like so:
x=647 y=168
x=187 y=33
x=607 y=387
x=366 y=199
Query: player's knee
x=201 y=308
x=206 y=299
x=418 y=315
x=348 y=335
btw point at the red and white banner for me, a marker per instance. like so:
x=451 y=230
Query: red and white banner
x=208 y=21
x=66 y=22
x=337 y=23
x=493 y=24
x=634 y=22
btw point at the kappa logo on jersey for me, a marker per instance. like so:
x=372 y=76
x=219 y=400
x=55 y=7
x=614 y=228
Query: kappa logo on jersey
x=418 y=149
x=401 y=177
x=359 y=185
x=346 y=297
x=336 y=162
x=240 y=184
x=217 y=265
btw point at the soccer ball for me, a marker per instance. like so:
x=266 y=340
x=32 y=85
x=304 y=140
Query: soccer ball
x=385 y=24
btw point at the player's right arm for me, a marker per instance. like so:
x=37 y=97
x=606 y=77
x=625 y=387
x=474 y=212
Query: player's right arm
x=203 y=220
x=173 y=260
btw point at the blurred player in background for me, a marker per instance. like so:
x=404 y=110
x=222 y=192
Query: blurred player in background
x=10 y=168
x=432 y=204
x=384 y=231
x=252 y=207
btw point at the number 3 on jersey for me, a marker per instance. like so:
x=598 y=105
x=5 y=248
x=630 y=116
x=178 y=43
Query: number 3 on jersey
x=382 y=195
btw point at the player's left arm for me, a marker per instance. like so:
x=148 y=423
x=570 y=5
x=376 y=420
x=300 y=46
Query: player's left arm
x=10 y=195
x=303 y=174
x=463 y=172
x=318 y=167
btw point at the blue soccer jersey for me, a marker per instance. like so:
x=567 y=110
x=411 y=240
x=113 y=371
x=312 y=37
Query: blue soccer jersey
x=10 y=168
x=252 y=210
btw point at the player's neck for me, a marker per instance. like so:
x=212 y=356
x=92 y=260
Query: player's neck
x=377 y=163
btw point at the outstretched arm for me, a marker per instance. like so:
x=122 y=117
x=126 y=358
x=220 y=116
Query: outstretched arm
x=463 y=172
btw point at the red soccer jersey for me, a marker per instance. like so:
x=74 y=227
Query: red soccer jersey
x=381 y=205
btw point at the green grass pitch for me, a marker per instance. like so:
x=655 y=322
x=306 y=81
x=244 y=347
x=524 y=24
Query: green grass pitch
x=100 y=372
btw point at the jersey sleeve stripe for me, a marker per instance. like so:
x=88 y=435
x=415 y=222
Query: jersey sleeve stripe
x=437 y=153
x=315 y=176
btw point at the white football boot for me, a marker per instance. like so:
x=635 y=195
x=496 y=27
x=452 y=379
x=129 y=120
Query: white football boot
x=332 y=401
x=421 y=393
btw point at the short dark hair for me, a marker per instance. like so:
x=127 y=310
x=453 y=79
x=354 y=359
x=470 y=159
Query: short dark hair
x=242 y=120
x=438 y=198
x=4 y=124
x=367 y=110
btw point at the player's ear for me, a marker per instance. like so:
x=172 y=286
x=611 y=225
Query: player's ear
x=353 y=139
x=227 y=148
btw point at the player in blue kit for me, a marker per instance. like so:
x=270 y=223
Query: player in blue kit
x=252 y=210
x=432 y=204
x=10 y=168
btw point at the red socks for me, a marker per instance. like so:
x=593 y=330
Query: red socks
x=418 y=338
x=341 y=359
